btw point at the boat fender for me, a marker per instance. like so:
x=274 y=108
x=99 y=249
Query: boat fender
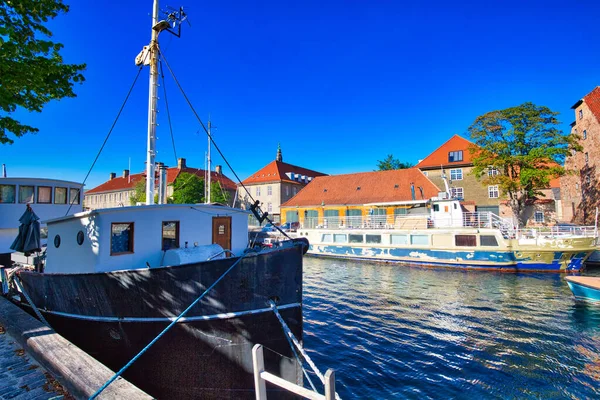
x=304 y=242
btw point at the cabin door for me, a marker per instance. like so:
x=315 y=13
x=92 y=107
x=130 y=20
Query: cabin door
x=221 y=232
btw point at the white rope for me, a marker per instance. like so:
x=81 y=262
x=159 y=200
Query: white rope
x=298 y=345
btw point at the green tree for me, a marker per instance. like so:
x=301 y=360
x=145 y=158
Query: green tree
x=392 y=163
x=188 y=189
x=32 y=71
x=218 y=194
x=524 y=143
x=139 y=193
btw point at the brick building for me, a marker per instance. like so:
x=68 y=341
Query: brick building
x=116 y=192
x=274 y=184
x=454 y=159
x=580 y=195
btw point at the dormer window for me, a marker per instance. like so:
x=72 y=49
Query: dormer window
x=358 y=188
x=455 y=156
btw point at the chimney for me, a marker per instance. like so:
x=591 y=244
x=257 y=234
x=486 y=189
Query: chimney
x=125 y=173
x=181 y=163
x=219 y=170
x=112 y=176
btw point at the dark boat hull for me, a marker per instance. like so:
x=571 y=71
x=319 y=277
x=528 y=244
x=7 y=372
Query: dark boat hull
x=208 y=354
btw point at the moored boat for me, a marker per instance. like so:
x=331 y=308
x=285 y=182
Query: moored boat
x=585 y=287
x=442 y=234
x=114 y=279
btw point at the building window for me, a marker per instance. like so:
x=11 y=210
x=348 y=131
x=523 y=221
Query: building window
x=258 y=190
x=584 y=134
x=269 y=207
x=492 y=171
x=539 y=217
x=74 y=195
x=457 y=192
x=170 y=235
x=586 y=158
x=7 y=193
x=295 y=190
x=287 y=190
x=44 y=195
x=454 y=156
x=456 y=174
x=580 y=114
x=493 y=192
x=26 y=194
x=269 y=190
x=426 y=173
x=60 y=195
x=121 y=238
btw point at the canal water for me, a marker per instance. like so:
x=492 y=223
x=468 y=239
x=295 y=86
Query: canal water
x=401 y=332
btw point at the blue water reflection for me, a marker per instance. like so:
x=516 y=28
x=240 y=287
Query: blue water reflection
x=398 y=332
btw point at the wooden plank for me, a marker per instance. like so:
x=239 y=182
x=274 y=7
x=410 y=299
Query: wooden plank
x=77 y=371
x=330 y=384
x=291 y=387
x=589 y=281
x=258 y=362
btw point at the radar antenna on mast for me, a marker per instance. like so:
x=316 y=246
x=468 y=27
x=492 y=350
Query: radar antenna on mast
x=175 y=18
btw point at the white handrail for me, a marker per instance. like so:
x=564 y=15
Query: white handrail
x=261 y=377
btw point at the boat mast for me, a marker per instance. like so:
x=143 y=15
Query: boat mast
x=207 y=199
x=152 y=101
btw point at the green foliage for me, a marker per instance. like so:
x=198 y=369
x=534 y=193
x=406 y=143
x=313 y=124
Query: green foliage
x=188 y=189
x=32 y=71
x=526 y=146
x=139 y=193
x=390 y=163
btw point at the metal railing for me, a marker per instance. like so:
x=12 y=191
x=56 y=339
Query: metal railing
x=261 y=377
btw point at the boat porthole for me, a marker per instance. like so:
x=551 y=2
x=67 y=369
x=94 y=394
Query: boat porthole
x=80 y=238
x=57 y=241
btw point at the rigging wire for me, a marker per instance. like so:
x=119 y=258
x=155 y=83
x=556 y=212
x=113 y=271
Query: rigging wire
x=108 y=135
x=211 y=138
x=162 y=74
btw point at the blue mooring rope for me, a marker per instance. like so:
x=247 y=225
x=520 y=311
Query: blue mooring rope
x=115 y=376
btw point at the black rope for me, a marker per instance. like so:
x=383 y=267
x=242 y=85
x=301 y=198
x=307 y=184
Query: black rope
x=213 y=141
x=162 y=74
x=108 y=135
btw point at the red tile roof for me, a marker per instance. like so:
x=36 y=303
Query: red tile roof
x=375 y=187
x=120 y=183
x=276 y=171
x=440 y=156
x=592 y=99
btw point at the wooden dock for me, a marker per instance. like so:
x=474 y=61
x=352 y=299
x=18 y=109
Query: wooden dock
x=29 y=350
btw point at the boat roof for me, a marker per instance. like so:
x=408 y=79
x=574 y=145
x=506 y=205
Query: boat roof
x=142 y=208
x=13 y=180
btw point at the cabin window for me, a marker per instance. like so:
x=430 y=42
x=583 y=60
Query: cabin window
x=44 y=195
x=419 y=239
x=80 y=237
x=74 y=193
x=7 y=193
x=339 y=238
x=465 y=240
x=26 y=194
x=121 y=239
x=456 y=174
x=373 y=238
x=398 y=239
x=60 y=195
x=488 y=240
x=355 y=238
x=170 y=235
x=327 y=238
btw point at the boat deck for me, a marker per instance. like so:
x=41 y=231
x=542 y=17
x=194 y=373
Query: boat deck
x=588 y=281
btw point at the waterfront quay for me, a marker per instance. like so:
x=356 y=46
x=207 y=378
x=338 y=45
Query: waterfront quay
x=21 y=377
x=38 y=363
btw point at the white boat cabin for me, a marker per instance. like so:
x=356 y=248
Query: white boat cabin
x=49 y=198
x=144 y=237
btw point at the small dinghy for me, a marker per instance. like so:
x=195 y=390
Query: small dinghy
x=585 y=287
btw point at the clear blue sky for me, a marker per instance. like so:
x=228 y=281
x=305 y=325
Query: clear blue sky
x=340 y=84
